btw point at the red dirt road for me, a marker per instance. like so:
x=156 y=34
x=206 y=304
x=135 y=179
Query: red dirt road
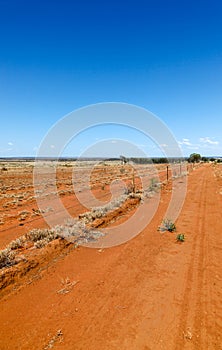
x=151 y=293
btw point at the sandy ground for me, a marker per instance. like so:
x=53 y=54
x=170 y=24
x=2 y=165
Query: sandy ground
x=19 y=212
x=150 y=293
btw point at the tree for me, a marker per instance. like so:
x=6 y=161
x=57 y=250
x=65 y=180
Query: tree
x=194 y=158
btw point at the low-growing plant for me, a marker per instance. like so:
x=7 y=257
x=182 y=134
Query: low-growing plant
x=17 y=243
x=6 y=258
x=168 y=225
x=42 y=243
x=180 y=237
x=40 y=234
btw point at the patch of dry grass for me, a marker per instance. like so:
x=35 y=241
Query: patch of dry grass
x=74 y=230
x=7 y=257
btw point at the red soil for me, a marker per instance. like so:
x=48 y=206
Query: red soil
x=150 y=293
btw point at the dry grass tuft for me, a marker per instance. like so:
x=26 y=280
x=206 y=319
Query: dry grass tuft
x=7 y=258
x=17 y=243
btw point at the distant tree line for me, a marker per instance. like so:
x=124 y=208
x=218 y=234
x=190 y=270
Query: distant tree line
x=193 y=158
x=196 y=158
x=153 y=160
x=161 y=160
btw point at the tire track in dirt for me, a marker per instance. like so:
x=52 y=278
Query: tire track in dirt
x=213 y=295
x=193 y=283
x=197 y=297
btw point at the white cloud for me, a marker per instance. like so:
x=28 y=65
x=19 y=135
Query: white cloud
x=52 y=146
x=207 y=140
x=10 y=143
x=185 y=142
x=204 y=145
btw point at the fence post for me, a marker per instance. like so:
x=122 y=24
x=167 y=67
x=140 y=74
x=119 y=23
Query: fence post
x=167 y=172
x=133 y=182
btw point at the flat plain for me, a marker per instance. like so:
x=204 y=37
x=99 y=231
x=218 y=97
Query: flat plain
x=152 y=292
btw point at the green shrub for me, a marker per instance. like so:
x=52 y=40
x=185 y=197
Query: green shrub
x=168 y=225
x=180 y=237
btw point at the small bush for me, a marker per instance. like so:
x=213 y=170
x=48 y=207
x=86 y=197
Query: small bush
x=168 y=225
x=42 y=243
x=6 y=258
x=180 y=237
x=17 y=243
x=40 y=234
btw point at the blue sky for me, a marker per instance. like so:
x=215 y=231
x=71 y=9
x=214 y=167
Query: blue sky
x=57 y=56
